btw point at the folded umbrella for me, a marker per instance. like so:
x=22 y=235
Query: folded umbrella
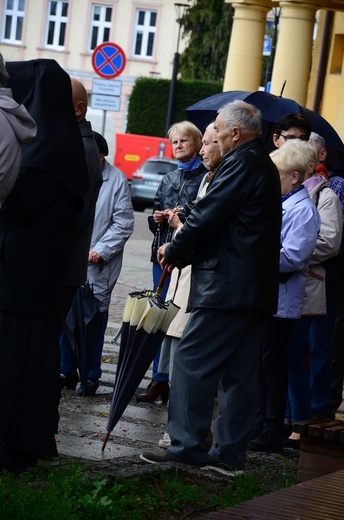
x=84 y=308
x=272 y=108
x=146 y=319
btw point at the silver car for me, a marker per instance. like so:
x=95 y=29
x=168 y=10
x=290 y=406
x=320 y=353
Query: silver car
x=146 y=180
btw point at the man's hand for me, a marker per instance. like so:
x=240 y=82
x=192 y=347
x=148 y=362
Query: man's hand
x=94 y=258
x=161 y=258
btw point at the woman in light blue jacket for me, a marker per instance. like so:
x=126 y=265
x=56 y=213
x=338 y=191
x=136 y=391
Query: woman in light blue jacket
x=300 y=228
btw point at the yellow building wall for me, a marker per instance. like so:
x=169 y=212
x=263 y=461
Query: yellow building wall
x=332 y=99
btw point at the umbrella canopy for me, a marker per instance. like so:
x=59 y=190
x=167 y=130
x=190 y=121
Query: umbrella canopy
x=84 y=308
x=146 y=319
x=272 y=108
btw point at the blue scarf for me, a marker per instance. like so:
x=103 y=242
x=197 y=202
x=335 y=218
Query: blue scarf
x=190 y=165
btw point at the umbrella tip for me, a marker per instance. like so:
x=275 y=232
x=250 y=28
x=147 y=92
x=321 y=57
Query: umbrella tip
x=105 y=440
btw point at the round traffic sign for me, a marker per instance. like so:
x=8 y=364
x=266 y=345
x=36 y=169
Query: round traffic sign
x=108 y=60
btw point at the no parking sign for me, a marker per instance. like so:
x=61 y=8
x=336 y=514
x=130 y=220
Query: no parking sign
x=108 y=60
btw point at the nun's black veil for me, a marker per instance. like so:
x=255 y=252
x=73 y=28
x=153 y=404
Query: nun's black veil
x=37 y=222
x=45 y=90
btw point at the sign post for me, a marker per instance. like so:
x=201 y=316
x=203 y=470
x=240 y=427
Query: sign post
x=108 y=61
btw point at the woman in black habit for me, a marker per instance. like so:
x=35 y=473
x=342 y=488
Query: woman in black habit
x=36 y=229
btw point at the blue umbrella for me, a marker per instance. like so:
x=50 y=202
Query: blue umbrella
x=272 y=108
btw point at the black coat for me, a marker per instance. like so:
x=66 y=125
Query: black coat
x=232 y=235
x=78 y=262
x=177 y=188
x=37 y=220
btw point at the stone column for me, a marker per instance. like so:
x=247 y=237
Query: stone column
x=245 y=56
x=294 y=50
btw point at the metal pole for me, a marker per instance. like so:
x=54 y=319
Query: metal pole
x=169 y=119
x=104 y=120
x=268 y=73
x=172 y=92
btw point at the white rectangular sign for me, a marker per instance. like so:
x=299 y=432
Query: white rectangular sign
x=105 y=102
x=107 y=87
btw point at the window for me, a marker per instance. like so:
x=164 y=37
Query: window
x=13 y=21
x=100 y=25
x=144 y=32
x=56 y=24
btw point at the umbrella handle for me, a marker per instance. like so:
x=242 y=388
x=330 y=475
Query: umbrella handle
x=165 y=274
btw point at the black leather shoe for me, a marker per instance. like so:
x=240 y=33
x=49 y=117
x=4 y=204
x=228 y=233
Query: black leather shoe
x=14 y=461
x=154 y=390
x=91 y=388
x=292 y=443
x=269 y=442
x=287 y=430
x=69 y=380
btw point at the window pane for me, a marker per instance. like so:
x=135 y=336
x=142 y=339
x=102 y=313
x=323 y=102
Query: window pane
x=21 y=5
x=8 y=25
x=153 y=19
x=138 y=44
x=106 y=36
x=62 y=34
x=51 y=32
x=141 y=18
x=150 y=44
x=64 y=8
x=19 y=28
x=53 y=6
x=9 y=4
x=108 y=14
x=94 y=37
x=96 y=13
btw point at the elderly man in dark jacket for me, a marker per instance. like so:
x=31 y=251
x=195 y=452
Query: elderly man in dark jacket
x=231 y=239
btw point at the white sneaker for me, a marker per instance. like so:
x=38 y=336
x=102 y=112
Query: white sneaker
x=224 y=471
x=165 y=442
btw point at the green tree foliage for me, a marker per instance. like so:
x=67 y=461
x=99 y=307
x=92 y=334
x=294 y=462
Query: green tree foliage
x=207 y=26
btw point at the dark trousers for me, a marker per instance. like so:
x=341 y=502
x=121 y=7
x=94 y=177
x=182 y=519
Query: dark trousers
x=219 y=350
x=337 y=358
x=273 y=380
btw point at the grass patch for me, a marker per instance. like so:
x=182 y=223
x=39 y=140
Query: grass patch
x=76 y=491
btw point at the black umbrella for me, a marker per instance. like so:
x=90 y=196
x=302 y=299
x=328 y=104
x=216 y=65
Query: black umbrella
x=146 y=319
x=84 y=308
x=272 y=108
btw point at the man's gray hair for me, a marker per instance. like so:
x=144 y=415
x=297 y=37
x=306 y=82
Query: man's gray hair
x=239 y=113
x=317 y=140
x=4 y=76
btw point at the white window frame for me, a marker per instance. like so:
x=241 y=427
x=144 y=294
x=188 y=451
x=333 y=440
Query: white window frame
x=58 y=19
x=15 y=13
x=100 y=24
x=144 y=31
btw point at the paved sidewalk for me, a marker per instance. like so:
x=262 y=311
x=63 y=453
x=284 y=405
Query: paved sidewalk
x=83 y=420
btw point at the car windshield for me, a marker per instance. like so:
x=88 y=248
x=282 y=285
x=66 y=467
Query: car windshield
x=160 y=167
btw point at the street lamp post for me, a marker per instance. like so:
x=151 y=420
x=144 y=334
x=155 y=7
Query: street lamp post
x=180 y=9
x=268 y=74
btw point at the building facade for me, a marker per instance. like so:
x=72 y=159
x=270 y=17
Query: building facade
x=147 y=31
x=68 y=31
x=311 y=70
